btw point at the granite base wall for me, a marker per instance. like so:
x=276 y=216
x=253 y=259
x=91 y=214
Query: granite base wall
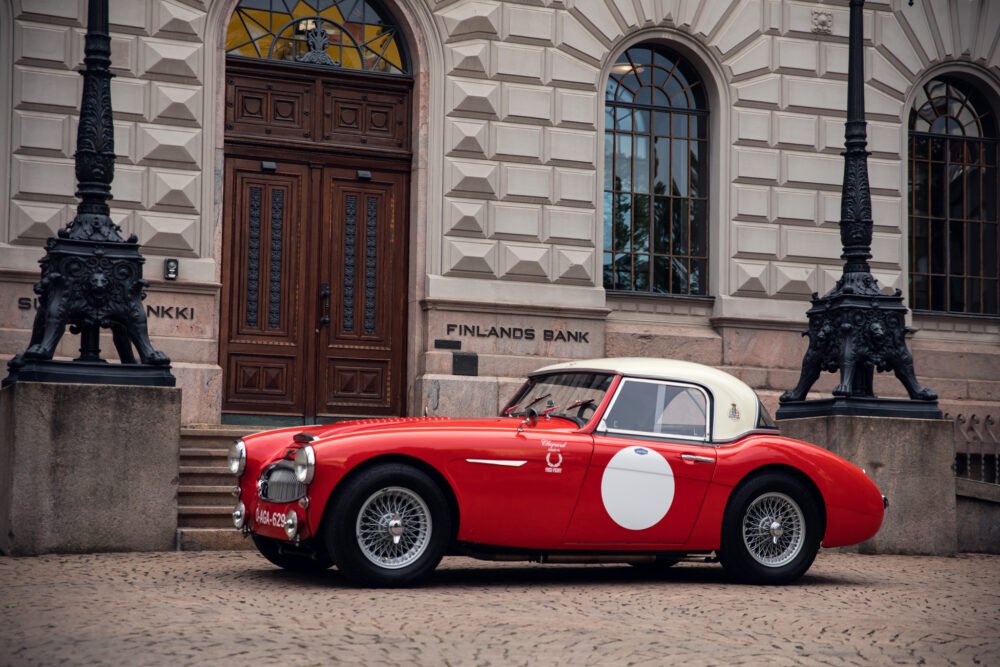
x=978 y=525
x=911 y=462
x=87 y=468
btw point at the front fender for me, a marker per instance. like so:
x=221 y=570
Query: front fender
x=337 y=458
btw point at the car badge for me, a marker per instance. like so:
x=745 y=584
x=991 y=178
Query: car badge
x=734 y=413
x=641 y=452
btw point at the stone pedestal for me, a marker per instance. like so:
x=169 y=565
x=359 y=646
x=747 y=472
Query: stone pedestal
x=911 y=462
x=88 y=468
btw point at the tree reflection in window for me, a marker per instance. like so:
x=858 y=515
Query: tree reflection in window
x=348 y=34
x=953 y=200
x=655 y=178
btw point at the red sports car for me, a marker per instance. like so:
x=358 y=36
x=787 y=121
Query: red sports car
x=642 y=461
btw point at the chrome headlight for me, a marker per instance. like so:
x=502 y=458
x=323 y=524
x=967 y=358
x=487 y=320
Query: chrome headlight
x=305 y=464
x=291 y=524
x=239 y=515
x=237 y=458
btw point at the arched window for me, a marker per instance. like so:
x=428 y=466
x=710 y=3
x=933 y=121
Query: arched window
x=347 y=34
x=655 y=177
x=954 y=246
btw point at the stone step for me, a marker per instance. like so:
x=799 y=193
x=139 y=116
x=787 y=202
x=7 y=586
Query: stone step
x=206 y=495
x=205 y=516
x=205 y=457
x=212 y=539
x=213 y=437
x=201 y=475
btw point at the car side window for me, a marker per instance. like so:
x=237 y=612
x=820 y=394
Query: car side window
x=659 y=408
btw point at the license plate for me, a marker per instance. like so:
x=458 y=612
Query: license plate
x=265 y=518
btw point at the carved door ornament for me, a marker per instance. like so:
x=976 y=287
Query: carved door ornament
x=318 y=41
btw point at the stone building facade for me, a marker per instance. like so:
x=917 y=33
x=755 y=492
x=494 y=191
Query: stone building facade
x=492 y=255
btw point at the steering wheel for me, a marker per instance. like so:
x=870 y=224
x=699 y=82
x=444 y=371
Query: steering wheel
x=582 y=412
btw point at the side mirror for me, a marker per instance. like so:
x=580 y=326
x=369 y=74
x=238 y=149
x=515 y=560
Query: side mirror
x=530 y=419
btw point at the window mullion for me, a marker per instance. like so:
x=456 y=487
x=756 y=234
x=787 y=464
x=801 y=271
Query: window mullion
x=946 y=213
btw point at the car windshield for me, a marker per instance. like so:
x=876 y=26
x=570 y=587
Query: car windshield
x=573 y=396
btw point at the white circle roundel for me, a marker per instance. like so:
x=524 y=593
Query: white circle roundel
x=637 y=488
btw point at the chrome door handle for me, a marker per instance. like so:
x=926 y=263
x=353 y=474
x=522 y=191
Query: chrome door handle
x=697 y=459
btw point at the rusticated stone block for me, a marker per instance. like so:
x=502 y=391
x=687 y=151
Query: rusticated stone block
x=523 y=261
x=177 y=18
x=574 y=265
x=468 y=256
x=174 y=188
x=176 y=102
x=749 y=276
x=465 y=216
x=471 y=18
x=170 y=233
x=471 y=57
x=36 y=220
x=467 y=136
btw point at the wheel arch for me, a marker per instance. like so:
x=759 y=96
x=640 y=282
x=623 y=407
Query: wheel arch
x=785 y=469
x=412 y=461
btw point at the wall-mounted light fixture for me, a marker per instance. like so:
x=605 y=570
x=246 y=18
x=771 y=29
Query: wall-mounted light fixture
x=171 y=268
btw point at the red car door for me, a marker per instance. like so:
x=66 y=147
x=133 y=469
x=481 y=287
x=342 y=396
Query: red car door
x=650 y=470
x=521 y=492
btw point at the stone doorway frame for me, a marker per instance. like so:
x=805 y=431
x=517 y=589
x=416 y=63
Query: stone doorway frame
x=426 y=49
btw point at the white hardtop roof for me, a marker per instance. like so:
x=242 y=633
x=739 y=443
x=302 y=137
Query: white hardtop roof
x=736 y=404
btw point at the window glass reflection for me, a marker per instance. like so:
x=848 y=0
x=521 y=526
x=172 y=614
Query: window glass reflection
x=655 y=173
x=953 y=199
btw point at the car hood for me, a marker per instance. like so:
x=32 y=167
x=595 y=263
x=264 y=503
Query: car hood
x=364 y=426
x=375 y=424
x=279 y=442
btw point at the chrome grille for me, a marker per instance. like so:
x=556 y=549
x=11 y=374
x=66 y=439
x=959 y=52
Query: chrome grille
x=278 y=485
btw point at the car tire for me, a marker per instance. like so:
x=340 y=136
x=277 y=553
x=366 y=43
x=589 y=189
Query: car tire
x=389 y=526
x=272 y=550
x=771 y=531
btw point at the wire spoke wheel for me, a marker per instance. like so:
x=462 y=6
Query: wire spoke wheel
x=774 y=529
x=393 y=527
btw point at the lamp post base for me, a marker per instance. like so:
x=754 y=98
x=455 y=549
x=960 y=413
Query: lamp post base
x=90 y=372
x=860 y=406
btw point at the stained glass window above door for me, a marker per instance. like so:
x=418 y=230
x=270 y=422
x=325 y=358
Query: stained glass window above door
x=346 y=34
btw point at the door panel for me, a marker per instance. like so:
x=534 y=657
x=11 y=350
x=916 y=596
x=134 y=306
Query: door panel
x=362 y=116
x=260 y=105
x=519 y=505
x=315 y=255
x=362 y=259
x=263 y=349
x=600 y=498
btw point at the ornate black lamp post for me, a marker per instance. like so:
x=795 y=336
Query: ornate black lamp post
x=856 y=328
x=91 y=276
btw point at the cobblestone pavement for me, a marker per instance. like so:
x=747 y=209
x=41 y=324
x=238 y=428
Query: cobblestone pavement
x=234 y=608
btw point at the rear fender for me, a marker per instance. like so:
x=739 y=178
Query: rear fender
x=851 y=502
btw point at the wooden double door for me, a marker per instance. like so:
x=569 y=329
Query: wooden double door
x=315 y=283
